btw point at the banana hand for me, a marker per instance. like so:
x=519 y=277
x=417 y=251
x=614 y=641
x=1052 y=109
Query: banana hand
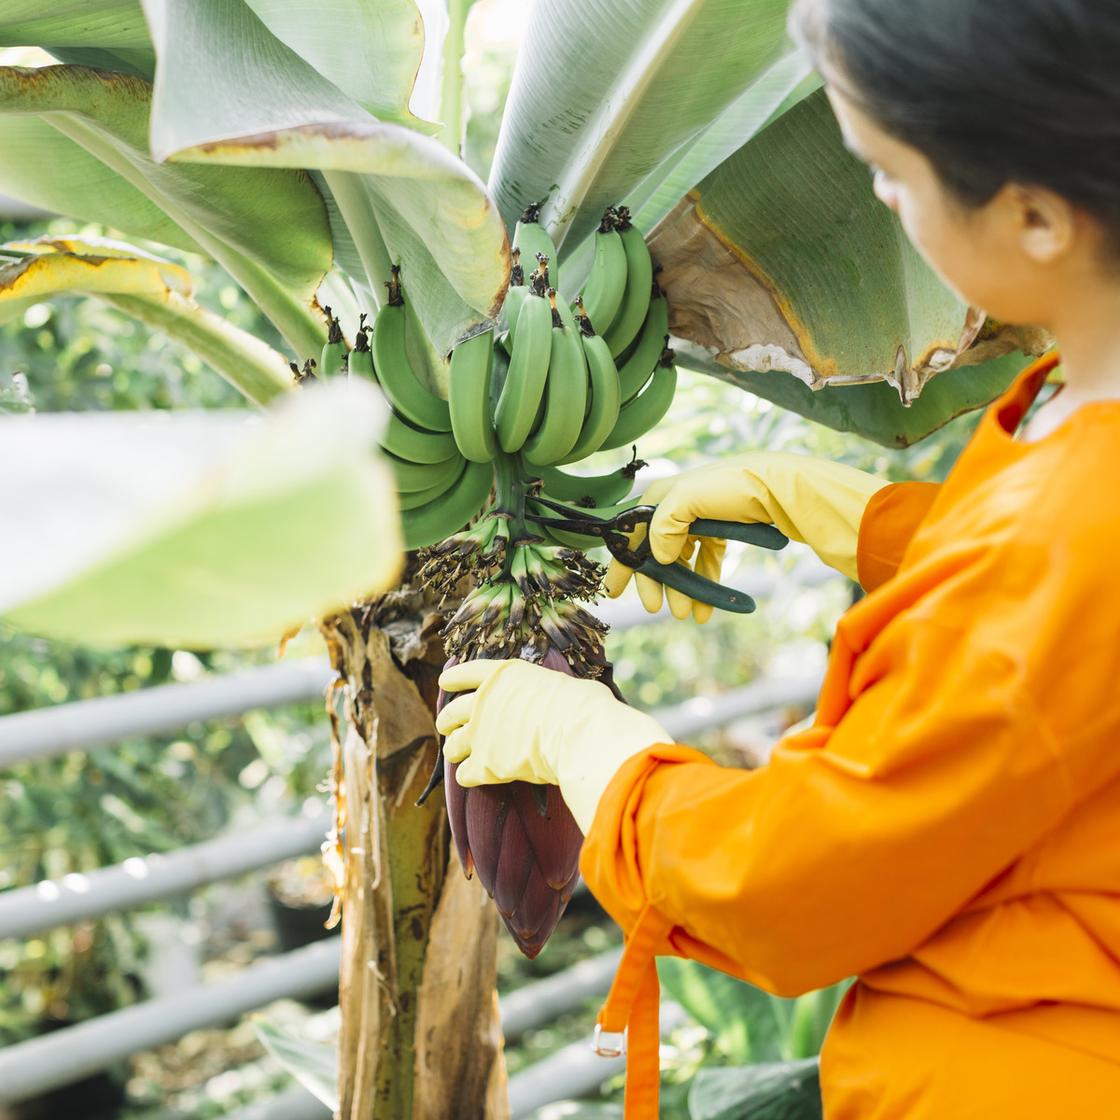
x=524 y=723
x=811 y=500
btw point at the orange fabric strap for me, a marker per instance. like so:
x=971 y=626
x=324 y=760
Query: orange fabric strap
x=633 y=1007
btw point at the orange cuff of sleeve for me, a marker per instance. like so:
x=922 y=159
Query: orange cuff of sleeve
x=611 y=864
x=889 y=522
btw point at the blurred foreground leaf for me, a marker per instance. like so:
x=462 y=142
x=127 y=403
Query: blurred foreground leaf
x=195 y=529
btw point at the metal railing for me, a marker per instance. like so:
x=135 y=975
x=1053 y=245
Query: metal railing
x=35 y=1066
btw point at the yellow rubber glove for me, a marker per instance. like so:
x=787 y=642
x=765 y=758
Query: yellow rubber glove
x=524 y=723
x=815 y=501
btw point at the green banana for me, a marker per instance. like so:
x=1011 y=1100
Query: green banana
x=450 y=511
x=605 y=287
x=602 y=414
x=515 y=295
x=531 y=238
x=361 y=357
x=601 y=489
x=412 y=477
x=472 y=371
x=332 y=361
x=646 y=410
x=565 y=396
x=415 y=445
x=631 y=313
x=528 y=372
x=515 y=298
x=639 y=366
x=413 y=400
x=414 y=499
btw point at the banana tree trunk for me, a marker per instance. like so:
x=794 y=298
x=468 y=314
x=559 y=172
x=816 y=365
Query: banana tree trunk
x=420 y=1032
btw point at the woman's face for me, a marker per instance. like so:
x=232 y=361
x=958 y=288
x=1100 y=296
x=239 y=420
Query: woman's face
x=978 y=252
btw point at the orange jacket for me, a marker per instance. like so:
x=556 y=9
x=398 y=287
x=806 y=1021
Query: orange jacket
x=948 y=830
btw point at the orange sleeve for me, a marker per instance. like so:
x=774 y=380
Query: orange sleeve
x=858 y=839
x=889 y=521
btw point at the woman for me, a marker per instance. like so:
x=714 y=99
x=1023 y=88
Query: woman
x=947 y=830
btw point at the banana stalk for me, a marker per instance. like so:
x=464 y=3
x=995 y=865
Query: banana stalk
x=553 y=386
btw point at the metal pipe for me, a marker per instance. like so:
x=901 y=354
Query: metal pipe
x=56 y=902
x=137 y=881
x=545 y=1000
x=574 y=1071
x=702 y=713
x=292 y=1104
x=47 y=732
x=62 y=1057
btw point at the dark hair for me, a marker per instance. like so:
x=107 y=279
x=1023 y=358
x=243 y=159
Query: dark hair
x=990 y=91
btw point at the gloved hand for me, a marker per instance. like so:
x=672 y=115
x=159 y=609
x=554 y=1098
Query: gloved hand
x=524 y=723
x=815 y=501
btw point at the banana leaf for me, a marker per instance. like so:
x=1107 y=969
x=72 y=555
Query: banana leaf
x=267 y=227
x=786 y=275
x=114 y=24
x=191 y=529
x=604 y=94
x=372 y=52
x=404 y=197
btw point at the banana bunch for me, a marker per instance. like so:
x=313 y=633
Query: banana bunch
x=440 y=487
x=551 y=385
x=583 y=378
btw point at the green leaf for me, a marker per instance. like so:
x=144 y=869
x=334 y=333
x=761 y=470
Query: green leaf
x=812 y=1016
x=108 y=34
x=41 y=166
x=413 y=202
x=248 y=364
x=72 y=23
x=150 y=289
x=774 y=92
x=268 y=228
x=775 y=1091
x=874 y=410
x=195 y=529
x=313 y=1064
x=371 y=51
x=803 y=228
x=140 y=63
x=603 y=93
x=746 y=1023
x=52 y=268
x=782 y=262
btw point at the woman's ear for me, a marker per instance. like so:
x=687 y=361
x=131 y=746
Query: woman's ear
x=1044 y=223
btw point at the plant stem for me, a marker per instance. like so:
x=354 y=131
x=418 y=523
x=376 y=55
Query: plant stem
x=451 y=106
x=510 y=495
x=354 y=206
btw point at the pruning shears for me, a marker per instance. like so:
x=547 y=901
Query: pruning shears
x=615 y=533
